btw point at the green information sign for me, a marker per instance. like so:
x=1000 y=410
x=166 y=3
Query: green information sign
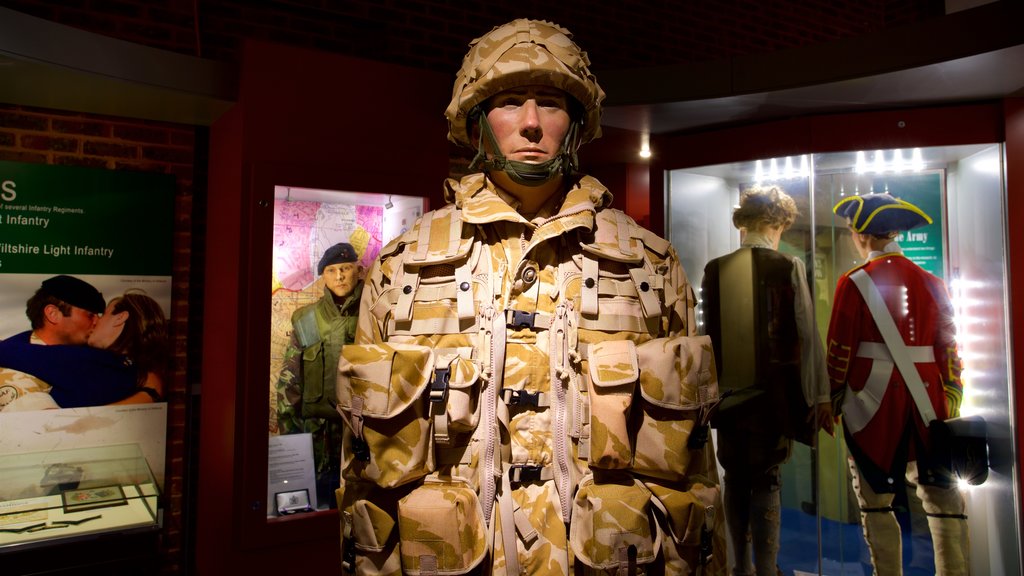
x=73 y=220
x=923 y=245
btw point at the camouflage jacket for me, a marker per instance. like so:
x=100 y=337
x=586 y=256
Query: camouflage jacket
x=528 y=385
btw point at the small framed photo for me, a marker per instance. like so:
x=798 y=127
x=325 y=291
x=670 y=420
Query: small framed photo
x=293 y=502
x=89 y=498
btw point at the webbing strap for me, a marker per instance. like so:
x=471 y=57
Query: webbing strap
x=423 y=239
x=508 y=526
x=645 y=290
x=464 y=290
x=408 y=284
x=454 y=233
x=894 y=341
x=440 y=416
x=624 y=229
x=428 y=565
x=589 y=288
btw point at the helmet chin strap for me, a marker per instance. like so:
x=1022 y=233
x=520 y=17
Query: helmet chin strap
x=526 y=173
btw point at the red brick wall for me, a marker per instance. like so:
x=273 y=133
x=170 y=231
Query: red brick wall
x=42 y=136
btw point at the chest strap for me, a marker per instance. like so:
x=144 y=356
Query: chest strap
x=903 y=356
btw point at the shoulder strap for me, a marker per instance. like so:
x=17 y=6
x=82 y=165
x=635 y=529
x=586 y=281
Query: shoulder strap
x=894 y=341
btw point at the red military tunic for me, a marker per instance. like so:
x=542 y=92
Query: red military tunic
x=886 y=431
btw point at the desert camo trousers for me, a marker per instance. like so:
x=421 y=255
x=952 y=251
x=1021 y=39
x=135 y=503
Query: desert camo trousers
x=947 y=522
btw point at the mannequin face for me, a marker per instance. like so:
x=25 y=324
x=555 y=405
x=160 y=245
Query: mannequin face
x=341 y=279
x=529 y=125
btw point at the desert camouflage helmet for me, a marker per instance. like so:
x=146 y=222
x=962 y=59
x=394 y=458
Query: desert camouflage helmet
x=522 y=53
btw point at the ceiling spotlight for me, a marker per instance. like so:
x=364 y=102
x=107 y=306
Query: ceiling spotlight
x=388 y=205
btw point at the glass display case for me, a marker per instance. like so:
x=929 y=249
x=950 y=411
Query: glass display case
x=65 y=495
x=314 y=304
x=962 y=189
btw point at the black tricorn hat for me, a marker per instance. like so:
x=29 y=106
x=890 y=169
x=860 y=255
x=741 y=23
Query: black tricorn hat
x=880 y=214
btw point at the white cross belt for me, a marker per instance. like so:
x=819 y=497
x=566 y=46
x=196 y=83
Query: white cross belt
x=860 y=406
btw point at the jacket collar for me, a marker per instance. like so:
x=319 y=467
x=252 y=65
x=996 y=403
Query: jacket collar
x=481 y=202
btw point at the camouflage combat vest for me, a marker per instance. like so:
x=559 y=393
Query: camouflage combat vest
x=532 y=387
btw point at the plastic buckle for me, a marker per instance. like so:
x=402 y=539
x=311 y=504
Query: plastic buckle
x=521 y=397
x=360 y=450
x=524 y=473
x=706 y=547
x=439 y=385
x=521 y=319
x=698 y=437
x=348 y=559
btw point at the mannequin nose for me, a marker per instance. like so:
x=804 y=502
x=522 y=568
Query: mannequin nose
x=531 y=119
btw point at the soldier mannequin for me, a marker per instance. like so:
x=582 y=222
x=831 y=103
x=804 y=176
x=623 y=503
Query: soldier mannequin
x=780 y=380
x=885 y=415
x=306 y=387
x=528 y=311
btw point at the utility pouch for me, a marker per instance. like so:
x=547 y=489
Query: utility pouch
x=463 y=394
x=441 y=528
x=613 y=377
x=612 y=527
x=678 y=389
x=688 y=518
x=370 y=526
x=381 y=397
x=314 y=402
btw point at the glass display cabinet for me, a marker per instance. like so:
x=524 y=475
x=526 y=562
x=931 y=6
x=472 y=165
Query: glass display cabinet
x=962 y=188
x=65 y=495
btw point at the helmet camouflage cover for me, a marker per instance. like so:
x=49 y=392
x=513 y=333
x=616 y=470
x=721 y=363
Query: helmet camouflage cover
x=523 y=53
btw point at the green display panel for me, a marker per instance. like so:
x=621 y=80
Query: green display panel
x=923 y=245
x=74 y=220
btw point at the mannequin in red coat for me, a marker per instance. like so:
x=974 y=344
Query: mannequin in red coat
x=886 y=417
